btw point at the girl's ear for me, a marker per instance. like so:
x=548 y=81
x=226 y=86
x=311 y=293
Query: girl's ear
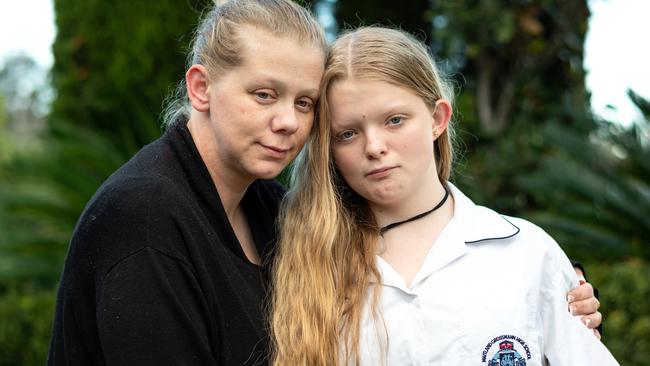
x=441 y=115
x=198 y=84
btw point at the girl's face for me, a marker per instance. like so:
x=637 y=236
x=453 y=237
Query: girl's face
x=383 y=139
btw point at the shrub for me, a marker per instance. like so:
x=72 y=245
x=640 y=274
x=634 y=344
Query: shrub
x=26 y=324
x=625 y=294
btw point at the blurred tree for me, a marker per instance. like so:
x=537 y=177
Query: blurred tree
x=4 y=140
x=23 y=83
x=24 y=98
x=520 y=64
x=596 y=190
x=524 y=51
x=410 y=16
x=626 y=291
x=26 y=314
x=42 y=193
x=24 y=101
x=115 y=62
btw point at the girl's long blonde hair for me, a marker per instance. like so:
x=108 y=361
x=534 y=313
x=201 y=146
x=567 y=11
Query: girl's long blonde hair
x=328 y=236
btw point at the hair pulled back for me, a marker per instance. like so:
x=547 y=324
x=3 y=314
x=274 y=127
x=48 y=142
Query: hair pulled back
x=217 y=45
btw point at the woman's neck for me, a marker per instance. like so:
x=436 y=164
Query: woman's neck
x=230 y=185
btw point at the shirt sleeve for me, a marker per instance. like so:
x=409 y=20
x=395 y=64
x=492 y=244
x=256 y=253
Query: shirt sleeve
x=567 y=340
x=151 y=311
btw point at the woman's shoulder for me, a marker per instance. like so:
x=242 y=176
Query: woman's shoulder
x=130 y=194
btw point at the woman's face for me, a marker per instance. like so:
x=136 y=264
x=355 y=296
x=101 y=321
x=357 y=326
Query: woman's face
x=382 y=139
x=262 y=111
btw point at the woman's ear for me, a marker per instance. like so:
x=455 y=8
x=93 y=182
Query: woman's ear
x=198 y=83
x=441 y=115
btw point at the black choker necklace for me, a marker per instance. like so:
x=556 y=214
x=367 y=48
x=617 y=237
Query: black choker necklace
x=418 y=216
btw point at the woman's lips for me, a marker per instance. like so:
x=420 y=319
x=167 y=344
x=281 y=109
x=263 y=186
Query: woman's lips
x=275 y=151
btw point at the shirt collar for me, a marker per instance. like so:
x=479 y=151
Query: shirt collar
x=479 y=223
x=470 y=225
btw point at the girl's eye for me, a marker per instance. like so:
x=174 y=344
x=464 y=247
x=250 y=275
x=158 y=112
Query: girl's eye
x=395 y=120
x=263 y=95
x=345 y=135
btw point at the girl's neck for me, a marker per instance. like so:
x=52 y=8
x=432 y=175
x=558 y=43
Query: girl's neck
x=422 y=200
x=405 y=246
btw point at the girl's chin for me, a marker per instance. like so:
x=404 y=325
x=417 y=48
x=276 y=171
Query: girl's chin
x=383 y=198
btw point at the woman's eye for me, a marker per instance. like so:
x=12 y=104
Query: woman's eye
x=305 y=105
x=395 y=120
x=264 y=95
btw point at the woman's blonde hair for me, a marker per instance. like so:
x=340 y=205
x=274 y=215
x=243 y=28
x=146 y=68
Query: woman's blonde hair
x=328 y=236
x=218 y=47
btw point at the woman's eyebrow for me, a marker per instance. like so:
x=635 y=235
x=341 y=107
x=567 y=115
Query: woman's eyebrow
x=282 y=86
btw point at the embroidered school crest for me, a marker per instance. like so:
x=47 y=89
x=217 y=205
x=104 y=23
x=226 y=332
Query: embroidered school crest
x=507 y=353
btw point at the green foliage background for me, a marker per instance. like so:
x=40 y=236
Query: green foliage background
x=529 y=146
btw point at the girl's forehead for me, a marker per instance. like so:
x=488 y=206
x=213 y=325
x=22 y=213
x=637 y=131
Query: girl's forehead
x=365 y=88
x=357 y=101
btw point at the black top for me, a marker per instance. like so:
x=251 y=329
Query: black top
x=155 y=274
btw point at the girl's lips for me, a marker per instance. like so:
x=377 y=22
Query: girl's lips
x=380 y=172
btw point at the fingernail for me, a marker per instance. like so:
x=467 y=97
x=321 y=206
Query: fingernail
x=586 y=321
x=570 y=298
x=572 y=310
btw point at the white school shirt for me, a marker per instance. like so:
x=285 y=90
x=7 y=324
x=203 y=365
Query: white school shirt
x=491 y=291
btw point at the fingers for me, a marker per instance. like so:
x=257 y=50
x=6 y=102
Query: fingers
x=583 y=302
x=582 y=292
x=597 y=333
x=584 y=307
x=592 y=321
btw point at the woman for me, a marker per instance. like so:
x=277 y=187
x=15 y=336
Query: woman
x=164 y=265
x=383 y=261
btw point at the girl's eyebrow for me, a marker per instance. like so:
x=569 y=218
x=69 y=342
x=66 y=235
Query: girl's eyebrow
x=337 y=126
x=402 y=108
x=397 y=108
